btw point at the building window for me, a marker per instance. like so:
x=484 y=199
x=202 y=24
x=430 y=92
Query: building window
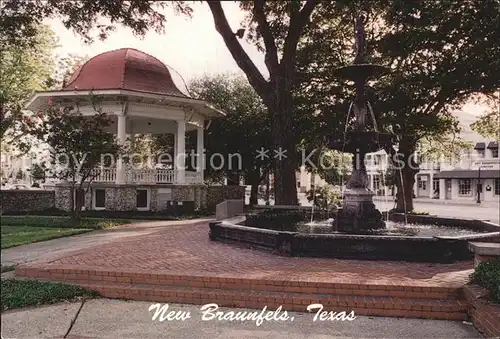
x=142 y=202
x=497 y=186
x=422 y=184
x=99 y=199
x=464 y=187
x=376 y=182
x=480 y=153
x=435 y=187
x=494 y=153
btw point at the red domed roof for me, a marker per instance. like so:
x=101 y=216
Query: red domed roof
x=127 y=69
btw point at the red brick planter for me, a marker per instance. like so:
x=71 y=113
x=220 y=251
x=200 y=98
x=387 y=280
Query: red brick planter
x=484 y=314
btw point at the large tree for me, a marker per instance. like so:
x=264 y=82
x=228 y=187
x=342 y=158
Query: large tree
x=241 y=133
x=278 y=27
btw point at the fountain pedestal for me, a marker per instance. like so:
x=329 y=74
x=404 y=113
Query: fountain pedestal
x=358 y=212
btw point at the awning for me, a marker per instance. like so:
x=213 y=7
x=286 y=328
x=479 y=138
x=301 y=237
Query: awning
x=480 y=145
x=468 y=174
x=493 y=145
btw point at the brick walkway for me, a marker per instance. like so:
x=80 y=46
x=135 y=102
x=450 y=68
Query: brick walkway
x=186 y=250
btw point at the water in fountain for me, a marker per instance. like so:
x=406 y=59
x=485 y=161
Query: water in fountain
x=385 y=199
x=402 y=189
x=404 y=195
x=313 y=196
x=392 y=228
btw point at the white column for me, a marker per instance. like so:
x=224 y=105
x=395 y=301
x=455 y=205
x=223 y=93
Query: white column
x=431 y=185
x=181 y=152
x=120 y=168
x=199 y=150
x=442 y=189
x=174 y=162
x=370 y=177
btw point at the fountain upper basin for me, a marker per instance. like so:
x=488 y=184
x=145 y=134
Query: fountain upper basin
x=363 y=142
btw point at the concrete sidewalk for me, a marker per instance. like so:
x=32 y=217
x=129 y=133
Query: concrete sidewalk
x=55 y=248
x=487 y=204
x=102 y=318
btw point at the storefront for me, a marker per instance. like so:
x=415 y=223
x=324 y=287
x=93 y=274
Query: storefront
x=480 y=184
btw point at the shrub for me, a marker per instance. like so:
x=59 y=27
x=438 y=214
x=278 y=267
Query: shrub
x=487 y=274
x=22 y=293
x=275 y=219
x=60 y=222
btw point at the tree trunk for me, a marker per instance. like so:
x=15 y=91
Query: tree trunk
x=78 y=204
x=404 y=196
x=268 y=188
x=285 y=187
x=254 y=194
x=254 y=181
x=406 y=171
x=72 y=201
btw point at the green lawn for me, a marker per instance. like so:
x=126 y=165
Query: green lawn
x=20 y=235
x=22 y=230
x=22 y=293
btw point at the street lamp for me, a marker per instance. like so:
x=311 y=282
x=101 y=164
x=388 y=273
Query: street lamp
x=479 y=186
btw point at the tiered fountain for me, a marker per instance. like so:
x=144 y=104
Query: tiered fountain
x=359 y=212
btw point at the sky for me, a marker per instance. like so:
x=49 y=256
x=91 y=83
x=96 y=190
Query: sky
x=191 y=46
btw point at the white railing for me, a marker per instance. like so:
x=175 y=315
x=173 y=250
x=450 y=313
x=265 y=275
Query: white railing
x=193 y=177
x=103 y=175
x=164 y=176
x=150 y=176
x=140 y=176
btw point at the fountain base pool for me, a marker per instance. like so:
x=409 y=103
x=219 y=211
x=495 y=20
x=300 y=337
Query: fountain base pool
x=420 y=242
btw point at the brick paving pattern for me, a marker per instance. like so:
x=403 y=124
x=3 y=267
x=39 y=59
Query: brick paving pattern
x=180 y=264
x=186 y=250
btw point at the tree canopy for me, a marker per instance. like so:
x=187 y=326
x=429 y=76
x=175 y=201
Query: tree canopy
x=23 y=70
x=488 y=124
x=242 y=132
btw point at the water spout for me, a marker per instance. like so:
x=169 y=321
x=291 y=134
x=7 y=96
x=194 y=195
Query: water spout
x=404 y=195
x=313 y=195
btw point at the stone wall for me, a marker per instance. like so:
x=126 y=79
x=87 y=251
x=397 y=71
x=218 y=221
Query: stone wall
x=15 y=201
x=123 y=198
x=218 y=194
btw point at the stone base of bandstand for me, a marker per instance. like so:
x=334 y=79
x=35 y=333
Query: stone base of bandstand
x=161 y=196
x=358 y=212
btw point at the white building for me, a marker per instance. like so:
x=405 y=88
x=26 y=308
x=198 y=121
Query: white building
x=450 y=181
